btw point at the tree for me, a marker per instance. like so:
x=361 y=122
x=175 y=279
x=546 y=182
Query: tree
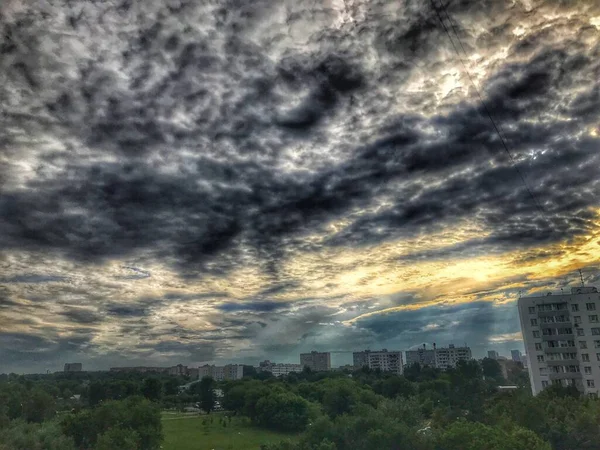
x=283 y=411
x=118 y=438
x=463 y=435
x=33 y=436
x=171 y=386
x=206 y=388
x=491 y=369
x=97 y=393
x=38 y=406
x=152 y=389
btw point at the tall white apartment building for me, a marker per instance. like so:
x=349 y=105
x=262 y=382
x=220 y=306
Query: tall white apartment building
x=562 y=339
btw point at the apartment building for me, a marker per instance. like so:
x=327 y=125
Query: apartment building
x=279 y=369
x=316 y=361
x=360 y=359
x=220 y=373
x=493 y=354
x=73 y=367
x=562 y=339
x=385 y=361
x=447 y=357
x=421 y=356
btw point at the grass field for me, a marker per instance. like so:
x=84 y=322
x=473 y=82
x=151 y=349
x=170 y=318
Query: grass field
x=190 y=432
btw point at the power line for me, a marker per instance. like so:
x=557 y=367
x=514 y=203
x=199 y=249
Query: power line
x=497 y=127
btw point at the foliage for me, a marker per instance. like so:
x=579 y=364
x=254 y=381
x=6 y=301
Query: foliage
x=32 y=436
x=152 y=389
x=118 y=438
x=283 y=412
x=463 y=435
x=135 y=415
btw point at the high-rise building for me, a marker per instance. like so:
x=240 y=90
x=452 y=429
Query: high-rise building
x=316 y=361
x=421 y=356
x=73 y=367
x=447 y=357
x=493 y=354
x=515 y=355
x=385 y=361
x=360 y=359
x=562 y=339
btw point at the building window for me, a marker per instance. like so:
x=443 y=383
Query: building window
x=582 y=344
x=597 y=344
x=532 y=310
x=590 y=306
x=544 y=383
x=540 y=358
x=595 y=331
x=577 y=319
x=534 y=322
x=590 y=383
x=585 y=357
x=574 y=307
x=593 y=318
x=598 y=356
x=536 y=334
x=580 y=332
x=587 y=370
x=538 y=346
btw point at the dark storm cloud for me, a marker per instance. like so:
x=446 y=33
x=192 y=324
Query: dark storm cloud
x=33 y=278
x=210 y=136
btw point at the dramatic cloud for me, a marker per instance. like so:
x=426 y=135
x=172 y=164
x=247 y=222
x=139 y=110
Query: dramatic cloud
x=189 y=181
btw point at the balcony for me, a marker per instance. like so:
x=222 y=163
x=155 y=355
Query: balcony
x=565 y=376
x=563 y=362
x=560 y=349
x=558 y=337
x=555 y=324
x=562 y=312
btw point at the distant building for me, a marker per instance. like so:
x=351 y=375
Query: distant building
x=562 y=338
x=385 y=361
x=316 y=361
x=421 y=356
x=493 y=354
x=361 y=359
x=220 y=373
x=524 y=361
x=138 y=369
x=73 y=367
x=174 y=370
x=279 y=369
x=193 y=373
x=515 y=355
x=177 y=370
x=447 y=357
x=349 y=367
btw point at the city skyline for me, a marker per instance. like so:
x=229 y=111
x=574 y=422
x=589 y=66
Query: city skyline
x=237 y=181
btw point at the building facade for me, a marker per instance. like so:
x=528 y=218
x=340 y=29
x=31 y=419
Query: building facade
x=493 y=354
x=279 y=369
x=515 y=355
x=562 y=339
x=447 y=357
x=360 y=359
x=220 y=373
x=73 y=367
x=316 y=361
x=420 y=356
x=385 y=361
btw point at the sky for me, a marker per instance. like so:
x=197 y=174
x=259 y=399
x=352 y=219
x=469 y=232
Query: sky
x=228 y=181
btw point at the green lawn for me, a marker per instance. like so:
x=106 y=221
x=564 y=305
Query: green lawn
x=188 y=432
